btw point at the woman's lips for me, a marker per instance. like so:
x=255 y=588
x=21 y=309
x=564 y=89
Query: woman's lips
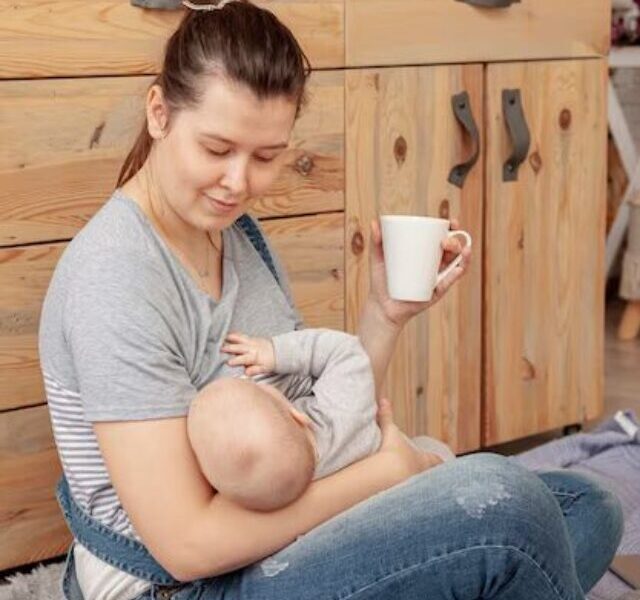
x=221 y=206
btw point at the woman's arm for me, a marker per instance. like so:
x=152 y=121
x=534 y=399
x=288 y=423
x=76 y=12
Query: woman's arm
x=193 y=532
x=378 y=336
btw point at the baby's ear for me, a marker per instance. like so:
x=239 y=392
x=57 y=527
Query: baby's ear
x=300 y=416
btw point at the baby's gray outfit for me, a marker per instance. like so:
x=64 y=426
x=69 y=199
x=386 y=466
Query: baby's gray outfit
x=341 y=402
x=335 y=387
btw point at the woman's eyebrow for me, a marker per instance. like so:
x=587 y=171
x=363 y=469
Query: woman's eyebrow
x=226 y=141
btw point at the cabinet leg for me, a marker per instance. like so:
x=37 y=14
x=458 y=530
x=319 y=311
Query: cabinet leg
x=630 y=322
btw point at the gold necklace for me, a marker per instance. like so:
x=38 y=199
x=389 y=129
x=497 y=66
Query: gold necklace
x=205 y=273
x=201 y=274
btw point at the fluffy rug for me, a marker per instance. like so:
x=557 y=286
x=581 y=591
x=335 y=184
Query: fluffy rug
x=42 y=583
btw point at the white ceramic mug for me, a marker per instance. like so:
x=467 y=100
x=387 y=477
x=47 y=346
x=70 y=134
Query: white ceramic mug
x=413 y=253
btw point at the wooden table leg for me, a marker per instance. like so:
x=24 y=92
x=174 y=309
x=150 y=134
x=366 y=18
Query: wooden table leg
x=630 y=323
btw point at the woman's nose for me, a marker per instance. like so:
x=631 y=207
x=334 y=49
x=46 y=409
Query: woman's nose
x=235 y=177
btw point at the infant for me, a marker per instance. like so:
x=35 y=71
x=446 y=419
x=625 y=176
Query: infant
x=261 y=448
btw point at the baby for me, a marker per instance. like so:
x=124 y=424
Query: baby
x=262 y=449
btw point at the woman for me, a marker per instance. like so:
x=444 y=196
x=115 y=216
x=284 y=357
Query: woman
x=131 y=330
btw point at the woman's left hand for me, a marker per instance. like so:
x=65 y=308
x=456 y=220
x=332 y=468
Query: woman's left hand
x=400 y=311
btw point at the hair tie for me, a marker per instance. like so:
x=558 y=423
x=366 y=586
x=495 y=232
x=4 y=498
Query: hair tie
x=217 y=6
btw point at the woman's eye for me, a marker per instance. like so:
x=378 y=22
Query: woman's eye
x=217 y=153
x=221 y=153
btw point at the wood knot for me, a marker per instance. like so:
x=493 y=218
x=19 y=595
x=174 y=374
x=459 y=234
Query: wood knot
x=536 y=162
x=443 y=209
x=528 y=371
x=304 y=164
x=565 y=119
x=400 y=150
x=18 y=322
x=335 y=274
x=97 y=134
x=357 y=243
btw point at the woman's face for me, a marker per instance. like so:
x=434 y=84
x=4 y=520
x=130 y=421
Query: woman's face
x=216 y=160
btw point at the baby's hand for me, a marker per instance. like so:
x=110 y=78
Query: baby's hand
x=256 y=354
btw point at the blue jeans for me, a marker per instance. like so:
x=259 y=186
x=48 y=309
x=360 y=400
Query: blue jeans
x=480 y=526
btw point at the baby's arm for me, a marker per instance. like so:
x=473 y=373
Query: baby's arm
x=320 y=353
x=254 y=353
x=342 y=406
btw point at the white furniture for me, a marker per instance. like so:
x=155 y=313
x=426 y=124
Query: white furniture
x=622 y=57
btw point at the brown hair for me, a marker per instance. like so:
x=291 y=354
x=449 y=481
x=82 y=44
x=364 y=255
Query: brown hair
x=241 y=41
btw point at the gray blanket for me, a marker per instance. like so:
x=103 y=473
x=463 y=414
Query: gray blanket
x=611 y=453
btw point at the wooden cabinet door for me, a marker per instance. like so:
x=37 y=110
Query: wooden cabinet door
x=544 y=242
x=402 y=140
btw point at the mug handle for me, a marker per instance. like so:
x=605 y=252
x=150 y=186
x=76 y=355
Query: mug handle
x=458 y=259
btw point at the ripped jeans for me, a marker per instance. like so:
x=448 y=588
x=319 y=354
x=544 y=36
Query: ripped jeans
x=478 y=527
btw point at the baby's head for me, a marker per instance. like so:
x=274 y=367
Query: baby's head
x=251 y=443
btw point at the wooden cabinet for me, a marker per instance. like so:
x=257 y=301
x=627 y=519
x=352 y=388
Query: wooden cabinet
x=527 y=321
x=514 y=349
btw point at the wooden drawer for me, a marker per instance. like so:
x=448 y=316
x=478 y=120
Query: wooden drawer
x=311 y=248
x=69 y=137
x=40 y=38
x=31 y=524
x=379 y=32
x=25 y=274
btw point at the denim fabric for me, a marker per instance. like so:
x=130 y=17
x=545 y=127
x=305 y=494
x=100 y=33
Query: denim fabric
x=477 y=527
x=259 y=243
x=593 y=515
x=114 y=548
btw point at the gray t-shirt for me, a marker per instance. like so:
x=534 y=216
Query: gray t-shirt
x=125 y=334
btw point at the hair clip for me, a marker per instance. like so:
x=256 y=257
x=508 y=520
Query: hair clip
x=193 y=6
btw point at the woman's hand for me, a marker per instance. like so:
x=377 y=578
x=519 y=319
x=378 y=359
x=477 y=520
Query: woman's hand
x=255 y=354
x=400 y=311
x=411 y=459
